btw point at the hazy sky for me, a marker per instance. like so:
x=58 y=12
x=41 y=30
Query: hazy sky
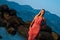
x=51 y=5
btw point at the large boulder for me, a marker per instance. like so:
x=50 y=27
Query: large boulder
x=44 y=36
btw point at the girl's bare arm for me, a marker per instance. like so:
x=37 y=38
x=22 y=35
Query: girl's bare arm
x=32 y=23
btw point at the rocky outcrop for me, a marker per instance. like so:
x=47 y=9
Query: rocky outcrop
x=14 y=24
x=0 y=37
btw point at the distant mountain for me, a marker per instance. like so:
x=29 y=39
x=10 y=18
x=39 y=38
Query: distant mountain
x=53 y=21
x=26 y=12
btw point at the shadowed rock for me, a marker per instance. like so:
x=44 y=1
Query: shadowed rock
x=5 y=8
x=45 y=36
x=0 y=37
x=46 y=29
x=58 y=38
x=55 y=35
x=11 y=30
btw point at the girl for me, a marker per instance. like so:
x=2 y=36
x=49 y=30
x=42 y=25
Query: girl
x=36 y=25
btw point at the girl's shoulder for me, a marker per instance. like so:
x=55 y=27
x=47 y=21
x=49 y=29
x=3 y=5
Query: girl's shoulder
x=35 y=17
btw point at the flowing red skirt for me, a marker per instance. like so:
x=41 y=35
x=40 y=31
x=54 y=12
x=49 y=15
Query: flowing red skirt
x=34 y=30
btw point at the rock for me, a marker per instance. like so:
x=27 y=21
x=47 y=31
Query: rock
x=0 y=37
x=46 y=29
x=1 y=13
x=14 y=23
x=58 y=38
x=2 y=22
x=55 y=35
x=27 y=24
x=5 y=8
x=23 y=31
x=12 y=12
x=44 y=36
x=6 y=16
x=11 y=31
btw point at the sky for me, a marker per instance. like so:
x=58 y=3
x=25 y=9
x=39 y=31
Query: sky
x=52 y=6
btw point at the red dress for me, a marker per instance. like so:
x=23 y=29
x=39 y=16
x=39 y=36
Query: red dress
x=34 y=30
